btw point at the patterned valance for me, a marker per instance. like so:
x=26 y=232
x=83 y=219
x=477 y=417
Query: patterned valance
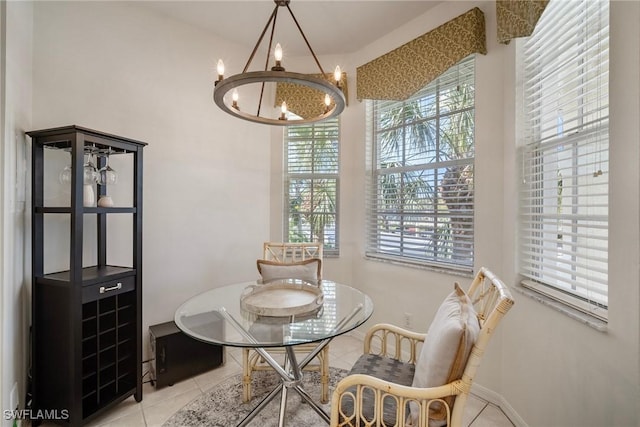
x=402 y=72
x=518 y=18
x=305 y=101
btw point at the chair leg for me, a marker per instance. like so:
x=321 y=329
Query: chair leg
x=246 y=376
x=324 y=374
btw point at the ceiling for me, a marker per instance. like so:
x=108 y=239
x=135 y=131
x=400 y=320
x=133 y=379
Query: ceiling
x=331 y=27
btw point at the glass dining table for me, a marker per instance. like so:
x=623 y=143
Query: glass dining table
x=218 y=316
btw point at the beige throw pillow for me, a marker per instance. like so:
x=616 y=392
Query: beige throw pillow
x=308 y=270
x=452 y=334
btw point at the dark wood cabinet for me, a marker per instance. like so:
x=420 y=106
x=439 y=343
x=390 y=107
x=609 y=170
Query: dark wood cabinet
x=87 y=314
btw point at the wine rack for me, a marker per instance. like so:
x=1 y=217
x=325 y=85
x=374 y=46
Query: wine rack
x=86 y=308
x=108 y=350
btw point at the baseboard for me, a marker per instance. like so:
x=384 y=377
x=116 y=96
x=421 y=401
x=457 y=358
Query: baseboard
x=499 y=401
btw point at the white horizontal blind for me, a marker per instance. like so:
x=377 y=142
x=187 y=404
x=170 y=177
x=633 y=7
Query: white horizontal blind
x=420 y=191
x=564 y=192
x=311 y=183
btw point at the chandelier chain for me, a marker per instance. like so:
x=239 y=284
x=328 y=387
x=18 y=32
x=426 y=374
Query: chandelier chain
x=315 y=58
x=274 y=17
x=255 y=48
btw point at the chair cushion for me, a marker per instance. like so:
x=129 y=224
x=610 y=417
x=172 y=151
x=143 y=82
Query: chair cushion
x=452 y=334
x=384 y=368
x=308 y=270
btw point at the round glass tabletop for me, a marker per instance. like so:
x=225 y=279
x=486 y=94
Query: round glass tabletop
x=217 y=316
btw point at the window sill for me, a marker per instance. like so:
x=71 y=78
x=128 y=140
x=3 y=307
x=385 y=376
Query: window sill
x=597 y=324
x=419 y=265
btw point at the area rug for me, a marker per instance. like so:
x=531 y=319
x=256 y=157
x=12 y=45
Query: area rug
x=222 y=406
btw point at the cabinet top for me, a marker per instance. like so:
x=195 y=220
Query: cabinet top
x=79 y=129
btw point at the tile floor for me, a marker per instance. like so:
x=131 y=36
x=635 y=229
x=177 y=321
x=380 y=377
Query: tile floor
x=157 y=406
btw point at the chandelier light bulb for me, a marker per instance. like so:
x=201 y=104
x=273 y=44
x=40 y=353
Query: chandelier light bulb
x=277 y=53
x=327 y=99
x=283 y=111
x=337 y=74
x=220 y=69
x=234 y=98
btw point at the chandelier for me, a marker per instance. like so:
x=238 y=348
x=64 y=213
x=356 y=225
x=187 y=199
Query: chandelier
x=329 y=88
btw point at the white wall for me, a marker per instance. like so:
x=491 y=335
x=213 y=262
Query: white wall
x=15 y=95
x=120 y=69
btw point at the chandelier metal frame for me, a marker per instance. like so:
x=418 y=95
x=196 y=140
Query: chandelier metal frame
x=278 y=74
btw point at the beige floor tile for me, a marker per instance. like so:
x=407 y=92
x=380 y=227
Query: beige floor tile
x=347 y=359
x=344 y=344
x=235 y=357
x=156 y=415
x=338 y=362
x=472 y=409
x=234 y=353
x=492 y=416
x=209 y=379
x=127 y=407
x=135 y=419
x=151 y=396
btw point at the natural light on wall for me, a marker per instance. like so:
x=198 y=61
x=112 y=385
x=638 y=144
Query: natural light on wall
x=564 y=155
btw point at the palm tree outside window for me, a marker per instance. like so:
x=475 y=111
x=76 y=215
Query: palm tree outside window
x=421 y=189
x=312 y=158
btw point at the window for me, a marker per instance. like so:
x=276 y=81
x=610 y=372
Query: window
x=311 y=183
x=564 y=189
x=421 y=174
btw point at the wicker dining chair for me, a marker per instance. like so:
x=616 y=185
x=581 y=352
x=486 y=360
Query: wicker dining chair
x=288 y=253
x=398 y=381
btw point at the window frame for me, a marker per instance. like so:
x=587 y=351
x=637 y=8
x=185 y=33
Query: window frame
x=313 y=175
x=431 y=223
x=576 y=278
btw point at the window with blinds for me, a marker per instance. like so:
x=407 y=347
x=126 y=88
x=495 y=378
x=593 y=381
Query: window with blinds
x=564 y=67
x=312 y=158
x=421 y=193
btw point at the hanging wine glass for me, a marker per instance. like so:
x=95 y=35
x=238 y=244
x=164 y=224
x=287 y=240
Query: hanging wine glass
x=107 y=175
x=65 y=175
x=90 y=170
